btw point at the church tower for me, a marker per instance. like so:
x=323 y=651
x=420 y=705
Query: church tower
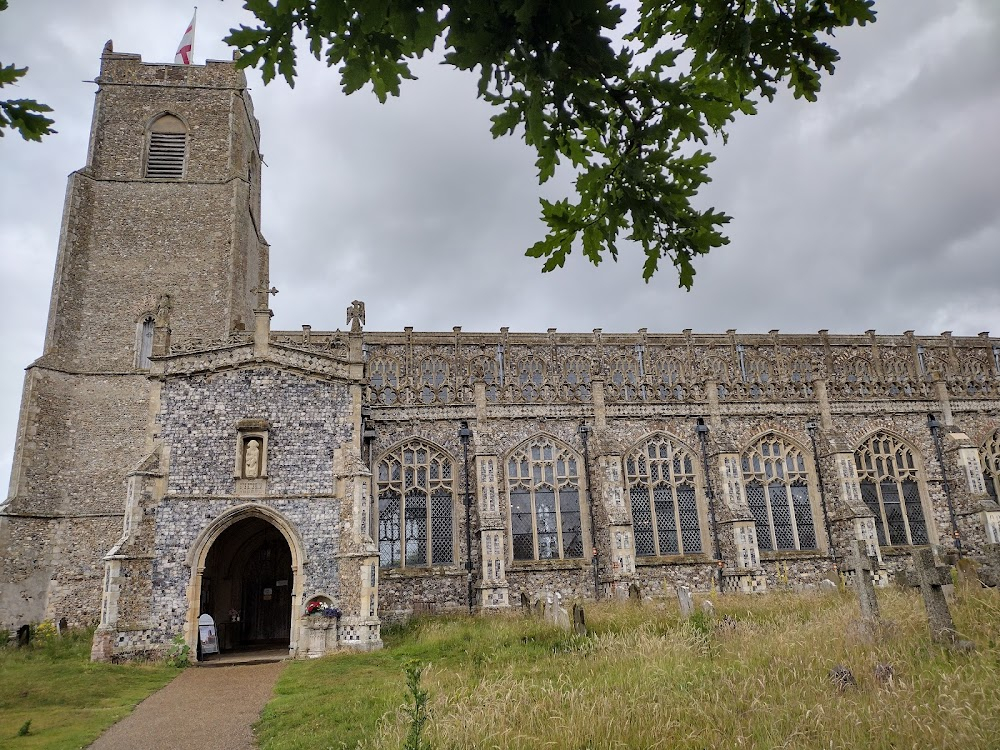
x=160 y=243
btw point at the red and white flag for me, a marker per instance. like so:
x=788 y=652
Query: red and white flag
x=185 y=52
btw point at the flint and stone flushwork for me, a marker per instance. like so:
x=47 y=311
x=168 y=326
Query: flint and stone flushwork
x=176 y=457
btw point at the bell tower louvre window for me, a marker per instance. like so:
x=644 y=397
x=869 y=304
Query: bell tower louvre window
x=167 y=149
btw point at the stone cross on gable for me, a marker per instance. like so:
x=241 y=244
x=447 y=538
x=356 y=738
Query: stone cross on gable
x=860 y=565
x=931 y=579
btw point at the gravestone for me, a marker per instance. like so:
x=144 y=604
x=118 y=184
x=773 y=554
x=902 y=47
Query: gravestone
x=24 y=635
x=707 y=608
x=634 y=593
x=558 y=615
x=579 y=619
x=685 y=600
x=989 y=573
x=538 y=606
x=860 y=565
x=826 y=586
x=931 y=580
x=62 y=626
x=525 y=602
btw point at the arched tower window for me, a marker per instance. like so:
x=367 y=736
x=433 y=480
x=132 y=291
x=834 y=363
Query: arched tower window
x=777 y=487
x=144 y=342
x=167 y=149
x=415 y=506
x=660 y=475
x=989 y=455
x=889 y=487
x=544 y=483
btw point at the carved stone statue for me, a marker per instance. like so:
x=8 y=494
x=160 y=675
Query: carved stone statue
x=162 y=315
x=251 y=460
x=356 y=315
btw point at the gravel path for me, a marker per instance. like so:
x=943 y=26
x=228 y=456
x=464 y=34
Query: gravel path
x=203 y=708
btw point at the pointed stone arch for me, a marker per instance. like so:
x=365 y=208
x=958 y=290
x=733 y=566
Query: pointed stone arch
x=417 y=504
x=893 y=485
x=545 y=491
x=664 y=482
x=780 y=487
x=201 y=547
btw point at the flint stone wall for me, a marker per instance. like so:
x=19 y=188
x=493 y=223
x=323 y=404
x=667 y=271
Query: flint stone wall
x=198 y=422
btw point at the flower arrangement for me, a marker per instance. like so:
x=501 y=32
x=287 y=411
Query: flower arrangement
x=234 y=615
x=322 y=609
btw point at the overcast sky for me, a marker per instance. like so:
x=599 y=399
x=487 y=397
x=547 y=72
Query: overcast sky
x=877 y=207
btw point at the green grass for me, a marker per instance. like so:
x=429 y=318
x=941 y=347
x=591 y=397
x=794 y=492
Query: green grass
x=644 y=679
x=68 y=699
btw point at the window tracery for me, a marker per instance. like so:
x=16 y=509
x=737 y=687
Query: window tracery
x=545 y=510
x=415 y=506
x=531 y=377
x=889 y=486
x=383 y=376
x=577 y=376
x=660 y=476
x=623 y=379
x=433 y=384
x=777 y=492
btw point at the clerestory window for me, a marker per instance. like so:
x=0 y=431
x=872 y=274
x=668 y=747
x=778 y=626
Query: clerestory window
x=415 y=507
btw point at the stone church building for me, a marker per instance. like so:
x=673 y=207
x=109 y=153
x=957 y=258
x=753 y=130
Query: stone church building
x=175 y=456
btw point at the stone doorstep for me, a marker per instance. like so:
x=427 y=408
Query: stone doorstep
x=242 y=658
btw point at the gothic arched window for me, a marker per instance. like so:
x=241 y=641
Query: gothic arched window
x=166 y=151
x=415 y=506
x=777 y=488
x=434 y=380
x=888 y=474
x=544 y=485
x=144 y=342
x=383 y=375
x=989 y=456
x=660 y=476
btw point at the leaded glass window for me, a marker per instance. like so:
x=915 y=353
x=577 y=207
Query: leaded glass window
x=434 y=380
x=889 y=486
x=777 y=491
x=989 y=455
x=383 y=376
x=660 y=476
x=530 y=377
x=415 y=507
x=545 y=506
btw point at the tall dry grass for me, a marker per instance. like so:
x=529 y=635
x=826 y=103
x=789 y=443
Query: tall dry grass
x=754 y=676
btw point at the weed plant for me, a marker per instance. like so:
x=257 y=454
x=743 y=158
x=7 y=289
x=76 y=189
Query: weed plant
x=754 y=675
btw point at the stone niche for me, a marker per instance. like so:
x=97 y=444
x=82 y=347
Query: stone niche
x=250 y=468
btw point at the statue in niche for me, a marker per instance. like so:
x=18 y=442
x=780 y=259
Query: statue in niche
x=251 y=459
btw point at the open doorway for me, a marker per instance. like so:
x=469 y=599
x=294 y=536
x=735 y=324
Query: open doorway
x=247 y=586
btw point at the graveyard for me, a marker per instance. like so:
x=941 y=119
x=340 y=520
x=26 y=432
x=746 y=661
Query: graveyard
x=841 y=665
x=805 y=669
